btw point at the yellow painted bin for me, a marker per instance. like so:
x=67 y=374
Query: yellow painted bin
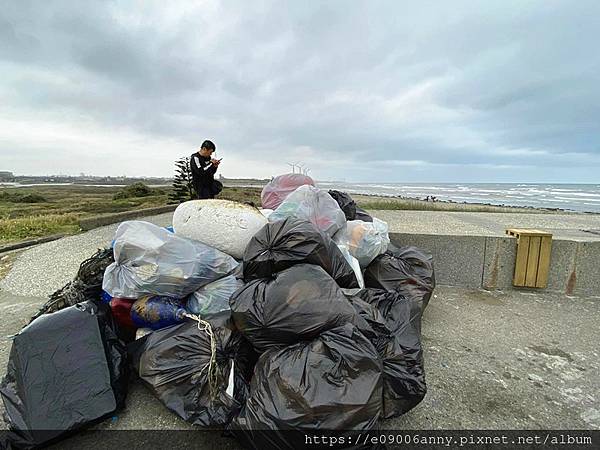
x=532 y=263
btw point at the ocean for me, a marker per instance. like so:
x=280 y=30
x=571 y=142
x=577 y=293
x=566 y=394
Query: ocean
x=571 y=197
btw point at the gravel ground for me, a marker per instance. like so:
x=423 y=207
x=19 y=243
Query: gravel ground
x=41 y=270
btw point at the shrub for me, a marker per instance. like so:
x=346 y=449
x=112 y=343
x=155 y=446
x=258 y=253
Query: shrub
x=134 y=190
x=32 y=198
x=18 y=197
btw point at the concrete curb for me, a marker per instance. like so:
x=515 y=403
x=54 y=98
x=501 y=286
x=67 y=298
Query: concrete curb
x=108 y=219
x=488 y=262
x=30 y=242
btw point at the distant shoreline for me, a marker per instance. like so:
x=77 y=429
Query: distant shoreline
x=369 y=197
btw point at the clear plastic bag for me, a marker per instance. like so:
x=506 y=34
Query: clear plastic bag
x=353 y=263
x=150 y=260
x=316 y=206
x=366 y=240
x=280 y=187
x=214 y=297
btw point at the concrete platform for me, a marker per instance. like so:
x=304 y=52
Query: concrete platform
x=494 y=360
x=472 y=250
x=498 y=359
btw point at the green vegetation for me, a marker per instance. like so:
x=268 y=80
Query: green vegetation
x=58 y=209
x=242 y=194
x=37 y=226
x=45 y=210
x=136 y=190
x=379 y=203
x=182 y=182
x=18 y=197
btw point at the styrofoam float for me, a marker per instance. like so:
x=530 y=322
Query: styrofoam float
x=223 y=224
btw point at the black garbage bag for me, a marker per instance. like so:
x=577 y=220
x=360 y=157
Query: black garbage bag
x=331 y=383
x=397 y=325
x=346 y=203
x=351 y=210
x=282 y=244
x=296 y=304
x=183 y=372
x=408 y=270
x=66 y=370
x=361 y=214
x=87 y=284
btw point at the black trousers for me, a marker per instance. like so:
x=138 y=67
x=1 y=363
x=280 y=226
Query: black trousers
x=203 y=192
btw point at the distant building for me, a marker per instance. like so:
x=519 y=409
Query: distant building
x=6 y=176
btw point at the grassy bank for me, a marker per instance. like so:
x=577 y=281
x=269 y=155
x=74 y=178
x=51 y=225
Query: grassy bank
x=395 y=203
x=45 y=210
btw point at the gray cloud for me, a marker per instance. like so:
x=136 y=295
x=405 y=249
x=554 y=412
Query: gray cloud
x=382 y=91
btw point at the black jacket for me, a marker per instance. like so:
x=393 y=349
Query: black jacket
x=203 y=171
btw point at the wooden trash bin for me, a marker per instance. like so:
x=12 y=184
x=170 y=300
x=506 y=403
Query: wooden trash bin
x=532 y=263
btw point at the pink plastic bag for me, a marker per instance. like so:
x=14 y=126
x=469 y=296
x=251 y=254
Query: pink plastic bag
x=280 y=187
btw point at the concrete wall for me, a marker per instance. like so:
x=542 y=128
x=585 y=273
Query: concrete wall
x=488 y=262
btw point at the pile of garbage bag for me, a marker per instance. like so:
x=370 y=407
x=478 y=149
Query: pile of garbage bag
x=309 y=322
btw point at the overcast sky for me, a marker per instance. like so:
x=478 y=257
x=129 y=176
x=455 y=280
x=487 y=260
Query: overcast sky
x=359 y=91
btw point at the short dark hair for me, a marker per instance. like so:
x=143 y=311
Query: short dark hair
x=209 y=145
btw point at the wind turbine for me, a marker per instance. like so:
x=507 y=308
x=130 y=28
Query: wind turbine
x=293 y=166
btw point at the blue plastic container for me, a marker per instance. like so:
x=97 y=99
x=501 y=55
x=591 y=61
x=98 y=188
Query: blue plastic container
x=157 y=312
x=106 y=297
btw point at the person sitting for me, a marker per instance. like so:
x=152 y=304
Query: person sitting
x=203 y=167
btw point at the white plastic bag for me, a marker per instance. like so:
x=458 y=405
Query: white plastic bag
x=354 y=264
x=214 y=297
x=367 y=240
x=150 y=260
x=316 y=206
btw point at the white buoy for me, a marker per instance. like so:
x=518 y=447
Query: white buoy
x=223 y=224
